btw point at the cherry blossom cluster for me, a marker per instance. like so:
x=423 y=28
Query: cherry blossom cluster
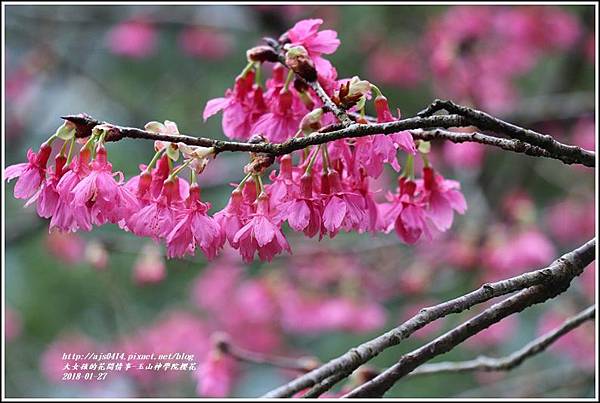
x=319 y=191
x=461 y=47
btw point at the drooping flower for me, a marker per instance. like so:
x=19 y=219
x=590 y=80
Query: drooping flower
x=442 y=196
x=283 y=119
x=68 y=216
x=261 y=234
x=31 y=173
x=107 y=199
x=157 y=218
x=406 y=213
x=194 y=228
x=303 y=212
x=47 y=196
x=241 y=107
x=342 y=208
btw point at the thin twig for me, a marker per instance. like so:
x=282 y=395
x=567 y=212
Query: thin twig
x=511 y=361
x=302 y=364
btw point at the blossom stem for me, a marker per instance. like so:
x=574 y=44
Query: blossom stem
x=325 y=157
x=409 y=169
x=376 y=90
x=259 y=184
x=258 y=76
x=288 y=80
x=313 y=157
x=179 y=169
x=425 y=160
x=243 y=182
x=63 y=148
x=157 y=155
x=247 y=69
x=71 y=147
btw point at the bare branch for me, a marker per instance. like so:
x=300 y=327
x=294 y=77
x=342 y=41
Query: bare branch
x=485 y=121
x=302 y=364
x=516 y=146
x=565 y=267
x=513 y=360
x=379 y=385
x=86 y=123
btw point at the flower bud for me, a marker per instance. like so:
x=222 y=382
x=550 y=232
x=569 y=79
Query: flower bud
x=358 y=87
x=297 y=59
x=261 y=54
x=311 y=121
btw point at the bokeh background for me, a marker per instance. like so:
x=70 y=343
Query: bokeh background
x=132 y=64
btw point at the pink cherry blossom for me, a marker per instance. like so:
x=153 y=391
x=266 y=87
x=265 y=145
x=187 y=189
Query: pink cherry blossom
x=342 y=208
x=204 y=43
x=66 y=246
x=406 y=213
x=149 y=267
x=215 y=375
x=193 y=227
x=134 y=38
x=31 y=173
x=107 y=200
x=68 y=216
x=47 y=196
x=261 y=234
x=306 y=33
x=241 y=107
x=157 y=219
x=233 y=217
x=443 y=196
x=283 y=119
x=303 y=213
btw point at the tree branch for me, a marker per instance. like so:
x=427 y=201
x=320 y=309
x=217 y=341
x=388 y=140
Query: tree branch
x=567 y=266
x=485 y=121
x=515 y=359
x=516 y=146
x=86 y=123
x=379 y=385
x=302 y=364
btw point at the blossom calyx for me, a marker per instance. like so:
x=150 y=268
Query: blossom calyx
x=297 y=59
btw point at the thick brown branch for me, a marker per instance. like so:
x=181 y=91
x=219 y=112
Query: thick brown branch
x=485 y=121
x=567 y=266
x=515 y=359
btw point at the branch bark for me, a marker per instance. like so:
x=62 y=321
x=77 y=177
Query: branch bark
x=565 y=267
x=378 y=386
x=485 y=121
x=86 y=123
x=515 y=359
